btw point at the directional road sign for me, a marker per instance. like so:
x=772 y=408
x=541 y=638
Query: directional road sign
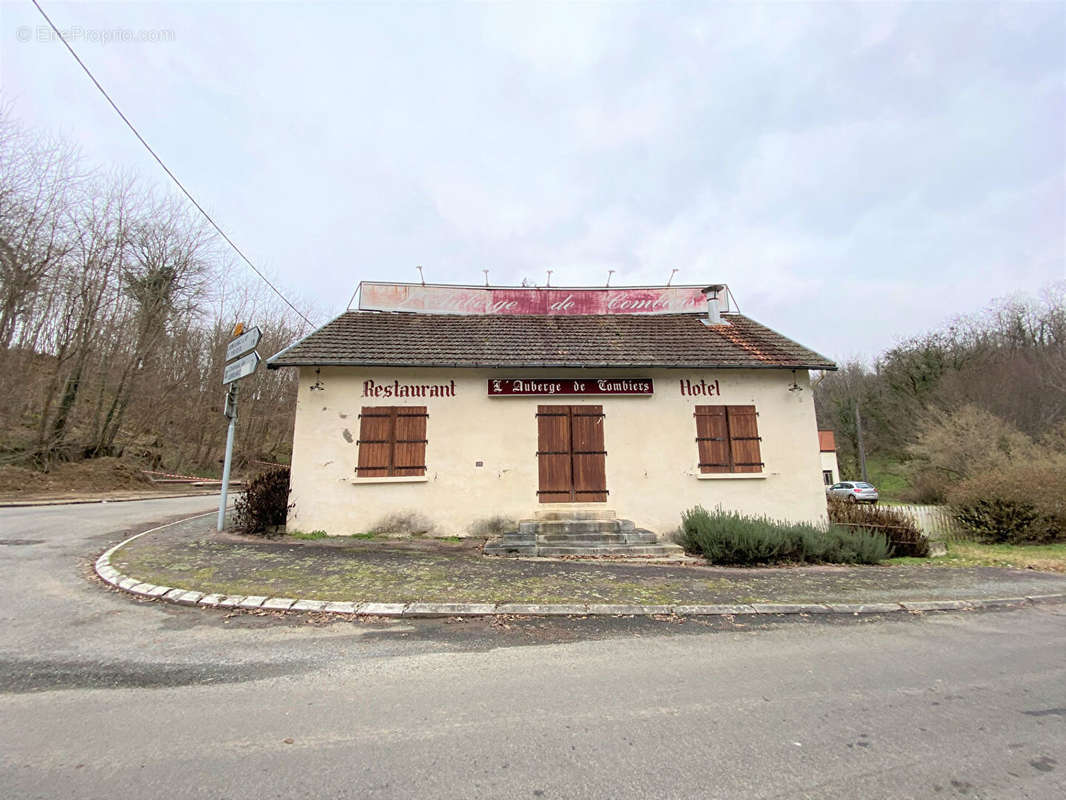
x=241 y=368
x=243 y=343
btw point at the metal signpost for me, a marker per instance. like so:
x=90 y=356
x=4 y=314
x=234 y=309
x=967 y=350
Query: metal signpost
x=235 y=371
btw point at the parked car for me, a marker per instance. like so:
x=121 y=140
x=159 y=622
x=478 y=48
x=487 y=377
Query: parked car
x=853 y=491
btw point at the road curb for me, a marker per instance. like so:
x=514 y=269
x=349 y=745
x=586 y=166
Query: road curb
x=82 y=501
x=290 y=605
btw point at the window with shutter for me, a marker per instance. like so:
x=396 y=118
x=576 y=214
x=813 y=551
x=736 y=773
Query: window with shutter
x=392 y=441
x=728 y=439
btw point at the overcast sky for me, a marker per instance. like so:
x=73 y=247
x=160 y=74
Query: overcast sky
x=855 y=173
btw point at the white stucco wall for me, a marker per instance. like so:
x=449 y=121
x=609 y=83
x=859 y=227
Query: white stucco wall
x=652 y=458
x=829 y=462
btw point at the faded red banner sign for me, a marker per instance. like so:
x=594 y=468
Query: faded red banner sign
x=545 y=387
x=520 y=300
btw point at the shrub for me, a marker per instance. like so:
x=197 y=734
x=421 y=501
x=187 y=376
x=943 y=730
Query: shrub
x=998 y=520
x=1016 y=504
x=926 y=488
x=732 y=538
x=265 y=502
x=904 y=536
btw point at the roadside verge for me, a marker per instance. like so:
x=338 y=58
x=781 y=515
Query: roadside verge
x=689 y=591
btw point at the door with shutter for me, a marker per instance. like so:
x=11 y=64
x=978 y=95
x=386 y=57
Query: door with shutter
x=571 y=455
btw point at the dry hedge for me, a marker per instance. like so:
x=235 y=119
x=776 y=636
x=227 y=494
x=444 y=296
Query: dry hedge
x=1015 y=504
x=903 y=533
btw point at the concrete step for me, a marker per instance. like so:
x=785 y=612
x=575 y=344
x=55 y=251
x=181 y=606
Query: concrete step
x=575 y=514
x=633 y=537
x=611 y=550
x=577 y=526
x=580 y=532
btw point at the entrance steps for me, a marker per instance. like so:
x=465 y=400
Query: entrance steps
x=580 y=532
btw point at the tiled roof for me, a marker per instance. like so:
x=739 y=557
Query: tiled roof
x=827 y=442
x=366 y=338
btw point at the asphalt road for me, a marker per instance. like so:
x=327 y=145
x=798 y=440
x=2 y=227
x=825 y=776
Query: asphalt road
x=102 y=695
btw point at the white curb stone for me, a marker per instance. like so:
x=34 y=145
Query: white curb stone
x=143 y=588
x=717 y=610
x=158 y=591
x=279 y=603
x=936 y=605
x=547 y=610
x=254 y=601
x=789 y=608
x=998 y=602
x=309 y=605
x=382 y=609
x=1046 y=598
x=174 y=594
x=231 y=601
x=341 y=607
x=189 y=598
x=127 y=583
x=614 y=609
x=447 y=609
x=864 y=608
x=657 y=610
x=211 y=599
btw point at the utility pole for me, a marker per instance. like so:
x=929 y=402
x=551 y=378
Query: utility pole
x=231 y=414
x=858 y=440
x=233 y=372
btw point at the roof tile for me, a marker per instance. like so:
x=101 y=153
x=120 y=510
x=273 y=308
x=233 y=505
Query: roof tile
x=368 y=338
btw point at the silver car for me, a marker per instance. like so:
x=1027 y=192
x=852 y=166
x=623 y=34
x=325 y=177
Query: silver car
x=853 y=491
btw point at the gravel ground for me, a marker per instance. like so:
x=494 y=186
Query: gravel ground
x=194 y=556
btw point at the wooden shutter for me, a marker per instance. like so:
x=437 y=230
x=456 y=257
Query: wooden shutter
x=744 y=438
x=409 y=454
x=375 y=442
x=553 y=454
x=728 y=439
x=589 y=457
x=392 y=441
x=712 y=436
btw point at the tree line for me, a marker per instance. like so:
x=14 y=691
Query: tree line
x=984 y=392
x=116 y=305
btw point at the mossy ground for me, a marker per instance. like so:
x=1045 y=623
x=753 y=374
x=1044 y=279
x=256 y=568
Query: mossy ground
x=1043 y=557
x=375 y=570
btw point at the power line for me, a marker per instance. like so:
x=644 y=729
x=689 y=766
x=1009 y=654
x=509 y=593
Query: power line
x=166 y=169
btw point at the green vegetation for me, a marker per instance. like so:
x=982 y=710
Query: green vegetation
x=1021 y=501
x=958 y=404
x=904 y=537
x=1046 y=557
x=889 y=475
x=733 y=538
x=311 y=535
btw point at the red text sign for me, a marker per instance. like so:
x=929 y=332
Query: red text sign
x=489 y=300
x=700 y=388
x=539 y=387
x=397 y=389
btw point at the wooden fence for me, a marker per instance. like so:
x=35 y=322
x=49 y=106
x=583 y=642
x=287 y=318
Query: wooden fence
x=934 y=521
